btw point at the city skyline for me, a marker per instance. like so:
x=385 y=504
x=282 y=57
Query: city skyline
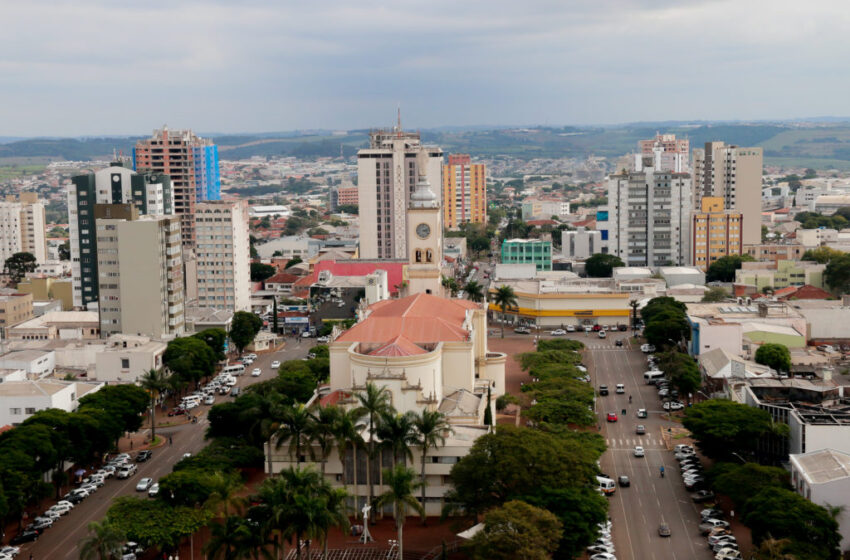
x=256 y=67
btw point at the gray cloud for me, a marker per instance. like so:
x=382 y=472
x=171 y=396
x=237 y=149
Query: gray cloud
x=89 y=67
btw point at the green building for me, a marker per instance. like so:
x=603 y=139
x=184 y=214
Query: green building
x=527 y=251
x=785 y=273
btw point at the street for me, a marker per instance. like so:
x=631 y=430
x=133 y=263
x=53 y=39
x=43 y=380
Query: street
x=638 y=510
x=60 y=541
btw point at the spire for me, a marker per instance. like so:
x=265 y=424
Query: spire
x=423 y=196
x=398 y=125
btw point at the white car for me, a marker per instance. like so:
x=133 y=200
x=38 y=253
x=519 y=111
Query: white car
x=275 y=364
x=52 y=514
x=65 y=503
x=588 y=328
x=306 y=334
x=639 y=451
x=571 y=328
x=10 y=551
x=603 y=556
x=602 y=334
x=60 y=509
x=153 y=490
x=620 y=389
x=256 y=372
x=323 y=339
x=558 y=332
x=210 y=399
x=144 y=484
x=675 y=405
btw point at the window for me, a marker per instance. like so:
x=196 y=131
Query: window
x=29 y=411
x=125 y=363
x=14 y=411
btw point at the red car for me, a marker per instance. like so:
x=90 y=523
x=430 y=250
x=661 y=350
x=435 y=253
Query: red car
x=612 y=416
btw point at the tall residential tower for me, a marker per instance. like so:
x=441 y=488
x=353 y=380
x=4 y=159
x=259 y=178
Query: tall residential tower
x=222 y=255
x=464 y=192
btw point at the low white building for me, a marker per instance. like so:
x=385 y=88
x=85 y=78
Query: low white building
x=290 y=247
x=127 y=358
x=64 y=325
x=581 y=243
x=22 y=399
x=823 y=478
x=37 y=363
x=676 y=275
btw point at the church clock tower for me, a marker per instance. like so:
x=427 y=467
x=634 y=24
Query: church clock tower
x=424 y=235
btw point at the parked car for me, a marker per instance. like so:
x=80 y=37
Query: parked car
x=76 y=496
x=674 y=405
x=60 y=509
x=144 y=484
x=323 y=339
x=24 y=536
x=600 y=548
x=144 y=456
x=558 y=332
x=153 y=490
x=522 y=330
x=209 y=399
x=126 y=471
x=715 y=539
x=702 y=496
x=710 y=513
x=10 y=551
x=710 y=524
x=602 y=334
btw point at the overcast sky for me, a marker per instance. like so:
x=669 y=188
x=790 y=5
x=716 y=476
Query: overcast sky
x=87 y=67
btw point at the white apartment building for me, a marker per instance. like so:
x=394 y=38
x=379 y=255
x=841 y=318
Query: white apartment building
x=387 y=173
x=125 y=359
x=150 y=193
x=140 y=275
x=581 y=243
x=22 y=227
x=22 y=399
x=222 y=254
x=649 y=218
x=823 y=478
x=664 y=152
x=734 y=174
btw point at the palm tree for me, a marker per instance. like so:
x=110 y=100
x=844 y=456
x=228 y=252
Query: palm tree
x=397 y=433
x=401 y=485
x=225 y=494
x=295 y=502
x=634 y=305
x=347 y=434
x=154 y=382
x=322 y=430
x=474 y=291
x=104 y=542
x=431 y=430
x=225 y=538
x=295 y=426
x=333 y=515
x=504 y=298
x=373 y=401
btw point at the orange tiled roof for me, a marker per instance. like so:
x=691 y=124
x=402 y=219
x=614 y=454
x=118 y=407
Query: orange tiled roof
x=399 y=346
x=420 y=318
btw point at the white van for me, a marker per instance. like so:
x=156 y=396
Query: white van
x=194 y=400
x=234 y=370
x=651 y=376
x=607 y=485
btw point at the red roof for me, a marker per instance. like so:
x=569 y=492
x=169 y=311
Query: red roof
x=351 y=267
x=541 y=222
x=802 y=292
x=399 y=346
x=282 y=278
x=420 y=319
x=334 y=397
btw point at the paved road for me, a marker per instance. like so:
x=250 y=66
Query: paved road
x=637 y=511
x=60 y=541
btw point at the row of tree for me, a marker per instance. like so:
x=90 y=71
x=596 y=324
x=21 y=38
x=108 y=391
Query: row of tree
x=535 y=485
x=782 y=521
x=665 y=322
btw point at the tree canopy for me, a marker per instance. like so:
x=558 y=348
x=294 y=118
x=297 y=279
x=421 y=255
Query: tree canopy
x=215 y=339
x=261 y=271
x=154 y=523
x=723 y=269
x=191 y=359
x=775 y=356
x=601 y=265
x=822 y=255
x=724 y=427
x=741 y=482
x=837 y=274
x=244 y=328
x=715 y=294
x=682 y=371
x=18 y=265
x=517 y=530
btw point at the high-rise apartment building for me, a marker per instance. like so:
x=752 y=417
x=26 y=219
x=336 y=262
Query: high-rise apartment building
x=222 y=255
x=22 y=227
x=715 y=232
x=733 y=174
x=464 y=192
x=664 y=153
x=649 y=214
x=192 y=164
x=343 y=196
x=150 y=193
x=140 y=272
x=387 y=172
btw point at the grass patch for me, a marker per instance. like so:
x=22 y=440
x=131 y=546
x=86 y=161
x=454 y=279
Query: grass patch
x=8 y=172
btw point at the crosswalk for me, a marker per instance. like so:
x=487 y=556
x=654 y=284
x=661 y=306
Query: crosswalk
x=630 y=443
x=603 y=347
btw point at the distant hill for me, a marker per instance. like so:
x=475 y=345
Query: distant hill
x=820 y=145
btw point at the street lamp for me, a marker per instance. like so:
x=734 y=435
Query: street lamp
x=743 y=461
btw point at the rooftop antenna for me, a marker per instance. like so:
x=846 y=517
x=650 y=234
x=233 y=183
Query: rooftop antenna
x=398 y=126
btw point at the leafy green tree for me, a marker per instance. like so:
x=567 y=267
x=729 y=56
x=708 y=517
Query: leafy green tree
x=105 y=542
x=18 y=265
x=531 y=360
x=742 y=482
x=243 y=328
x=348 y=209
x=601 y=265
x=517 y=530
x=682 y=371
x=725 y=427
x=822 y=255
x=837 y=274
x=451 y=285
x=191 y=359
x=667 y=328
x=777 y=512
x=260 y=272
x=347 y=436
x=564 y=344
x=372 y=402
x=474 y=291
x=560 y=400
x=579 y=509
x=715 y=294
x=504 y=298
x=661 y=304
x=215 y=339
x=119 y=408
x=188 y=487
x=292 y=262
x=154 y=382
x=296 y=424
x=431 y=430
x=401 y=483
x=723 y=269
x=154 y=523
x=226 y=493
x=774 y=356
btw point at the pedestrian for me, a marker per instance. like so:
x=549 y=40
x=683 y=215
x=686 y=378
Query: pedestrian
x=169 y=440
x=131 y=444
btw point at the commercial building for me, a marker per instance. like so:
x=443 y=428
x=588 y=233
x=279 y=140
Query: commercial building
x=581 y=243
x=733 y=174
x=780 y=274
x=649 y=216
x=222 y=254
x=544 y=209
x=823 y=478
x=125 y=359
x=387 y=172
x=569 y=300
x=192 y=164
x=15 y=307
x=150 y=193
x=827 y=204
x=464 y=192
x=66 y=325
x=528 y=251
x=289 y=247
x=140 y=267
x=664 y=153
x=775 y=251
x=22 y=399
x=715 y=232
x=343 y=196
x=678 y=275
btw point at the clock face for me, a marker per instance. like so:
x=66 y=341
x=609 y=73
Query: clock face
x=423 y=231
